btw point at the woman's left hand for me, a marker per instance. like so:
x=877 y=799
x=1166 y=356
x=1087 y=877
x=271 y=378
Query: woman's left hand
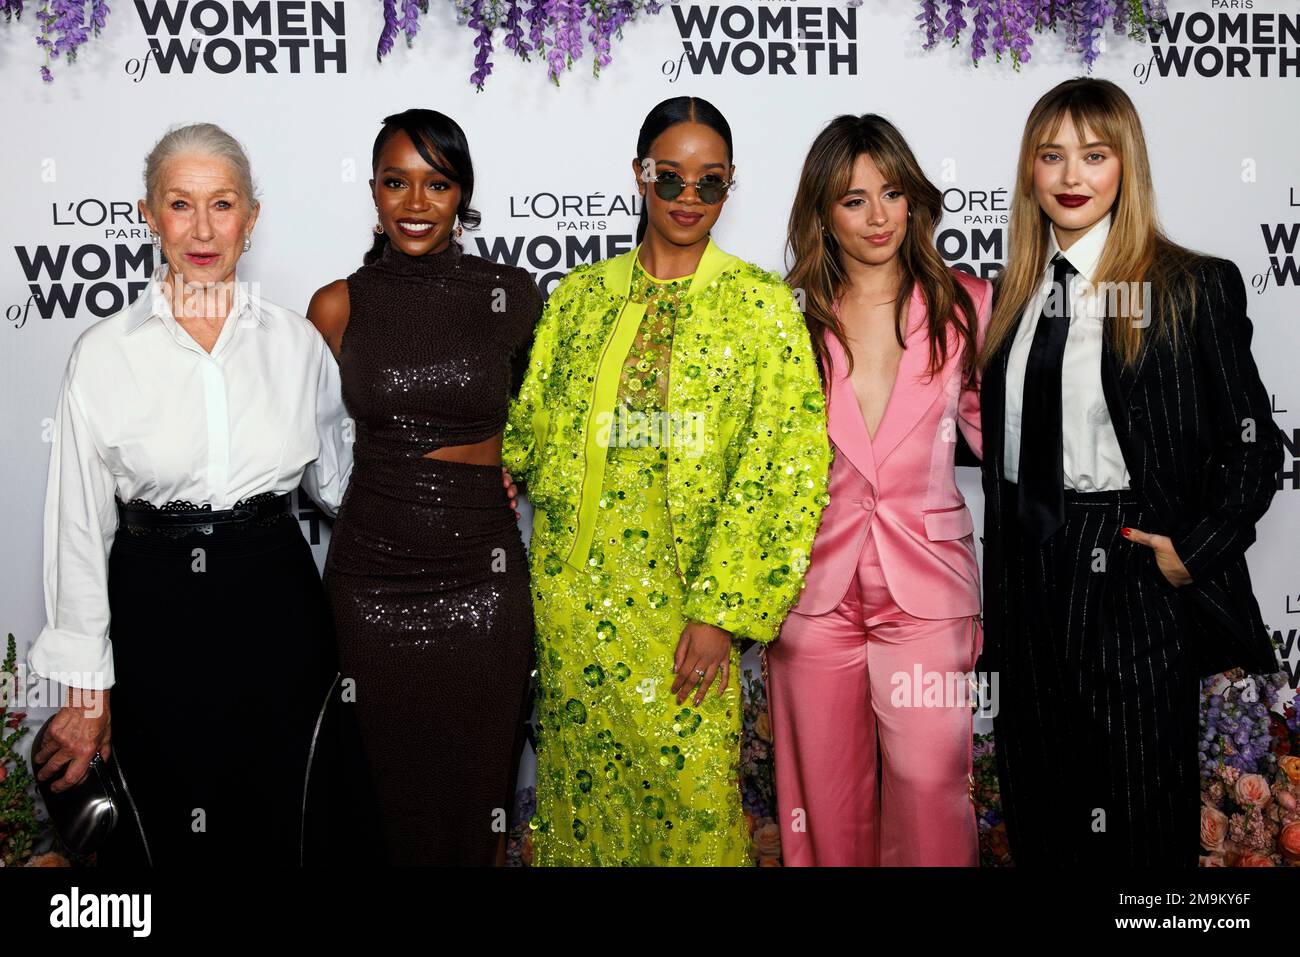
x=512 y=493
x=702 y=652
x=1167 y=560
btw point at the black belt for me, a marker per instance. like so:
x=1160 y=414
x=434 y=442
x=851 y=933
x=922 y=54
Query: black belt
x=181 y=518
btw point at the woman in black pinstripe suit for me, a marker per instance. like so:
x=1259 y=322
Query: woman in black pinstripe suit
x=1129 y=451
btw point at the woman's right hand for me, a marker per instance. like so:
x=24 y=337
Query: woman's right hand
x=74 y=735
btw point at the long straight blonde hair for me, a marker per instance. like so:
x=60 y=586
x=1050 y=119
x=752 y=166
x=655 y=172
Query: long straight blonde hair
x=1137 y=250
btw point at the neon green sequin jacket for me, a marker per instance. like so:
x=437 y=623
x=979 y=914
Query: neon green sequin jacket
x=745 y=501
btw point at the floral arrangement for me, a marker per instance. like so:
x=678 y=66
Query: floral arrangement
x=994 y=849
x=1006 y=25
x=556 y=30
x=1250 y=773
x=19 y=827
x=519 y=842
x=758 y=772
x=62 y=26
x=552 y=29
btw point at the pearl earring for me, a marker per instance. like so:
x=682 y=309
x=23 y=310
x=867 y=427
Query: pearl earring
x=248 y=242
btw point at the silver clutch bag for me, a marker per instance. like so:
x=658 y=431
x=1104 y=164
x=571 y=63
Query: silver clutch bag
x=86 y=813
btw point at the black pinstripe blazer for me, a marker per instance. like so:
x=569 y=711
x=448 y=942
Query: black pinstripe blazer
x=1183 y=421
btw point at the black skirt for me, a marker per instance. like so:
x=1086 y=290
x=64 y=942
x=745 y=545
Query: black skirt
x=225 y=721
x=428 y=582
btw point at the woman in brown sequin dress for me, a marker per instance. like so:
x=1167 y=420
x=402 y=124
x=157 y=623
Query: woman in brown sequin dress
x=427 y=576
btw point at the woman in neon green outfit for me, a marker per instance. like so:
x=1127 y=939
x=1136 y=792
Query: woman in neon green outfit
x=672 y=433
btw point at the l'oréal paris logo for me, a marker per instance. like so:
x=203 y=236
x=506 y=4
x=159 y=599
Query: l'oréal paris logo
x=765 y=38
x=563 y=230
x=977 y=245
x=84 y=276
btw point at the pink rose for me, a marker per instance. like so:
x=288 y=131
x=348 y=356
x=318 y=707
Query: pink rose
x=1251 y=790
x=1213 y=860
x=1214 y=828
x=1285 y=798
x=1254 y=859
x=767 y=840
x=1288 y=842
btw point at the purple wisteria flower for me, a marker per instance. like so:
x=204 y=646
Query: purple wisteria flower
x=1019 y=21
x=1071 y=16
x=1154 y=10
x=1008 y=26
x=482 y=65
x=62 y=28
x=573 y=29
x=998 y=34
x=389 y=31
x=557 y=58
x=983 y=10
x=1094 y=14
x=410 y=23
x=620 y=12
x=953 y=21
x=515 y=30
x=536 y=17
x=929 y=20
x=567 y=37
x=599 y=37
x=553 y=29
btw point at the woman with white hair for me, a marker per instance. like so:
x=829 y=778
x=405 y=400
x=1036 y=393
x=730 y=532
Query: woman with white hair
x=177 y=580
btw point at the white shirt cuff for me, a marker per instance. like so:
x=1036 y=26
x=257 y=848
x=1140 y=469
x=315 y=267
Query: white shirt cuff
x=82 y=661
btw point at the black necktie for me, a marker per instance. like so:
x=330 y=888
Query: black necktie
x=1041 y=476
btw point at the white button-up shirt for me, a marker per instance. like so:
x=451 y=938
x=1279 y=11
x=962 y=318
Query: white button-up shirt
x=1093 y=461
x=146 y=413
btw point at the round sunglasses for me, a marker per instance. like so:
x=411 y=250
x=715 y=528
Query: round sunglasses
x=710 y=187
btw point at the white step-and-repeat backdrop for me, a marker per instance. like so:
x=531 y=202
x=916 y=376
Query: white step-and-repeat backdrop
x=303 y=90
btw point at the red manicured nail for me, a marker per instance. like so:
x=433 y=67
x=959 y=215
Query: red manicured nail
x=1126 y=532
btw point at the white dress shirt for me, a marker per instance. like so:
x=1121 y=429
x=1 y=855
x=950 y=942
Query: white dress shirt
x=146 y=413
x=1093 y=460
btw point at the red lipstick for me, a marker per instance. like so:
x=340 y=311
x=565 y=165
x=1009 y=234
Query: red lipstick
x=1072 y=200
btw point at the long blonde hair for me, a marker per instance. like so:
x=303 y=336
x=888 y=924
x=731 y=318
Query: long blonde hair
x=1137 y=250
x=827 y=175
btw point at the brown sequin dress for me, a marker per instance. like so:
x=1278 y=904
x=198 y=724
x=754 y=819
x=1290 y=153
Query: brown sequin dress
x=427 y=576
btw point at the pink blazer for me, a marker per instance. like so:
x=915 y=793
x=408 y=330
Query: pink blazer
x=902 y=486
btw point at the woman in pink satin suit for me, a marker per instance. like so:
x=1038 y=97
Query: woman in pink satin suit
x=870 y=701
